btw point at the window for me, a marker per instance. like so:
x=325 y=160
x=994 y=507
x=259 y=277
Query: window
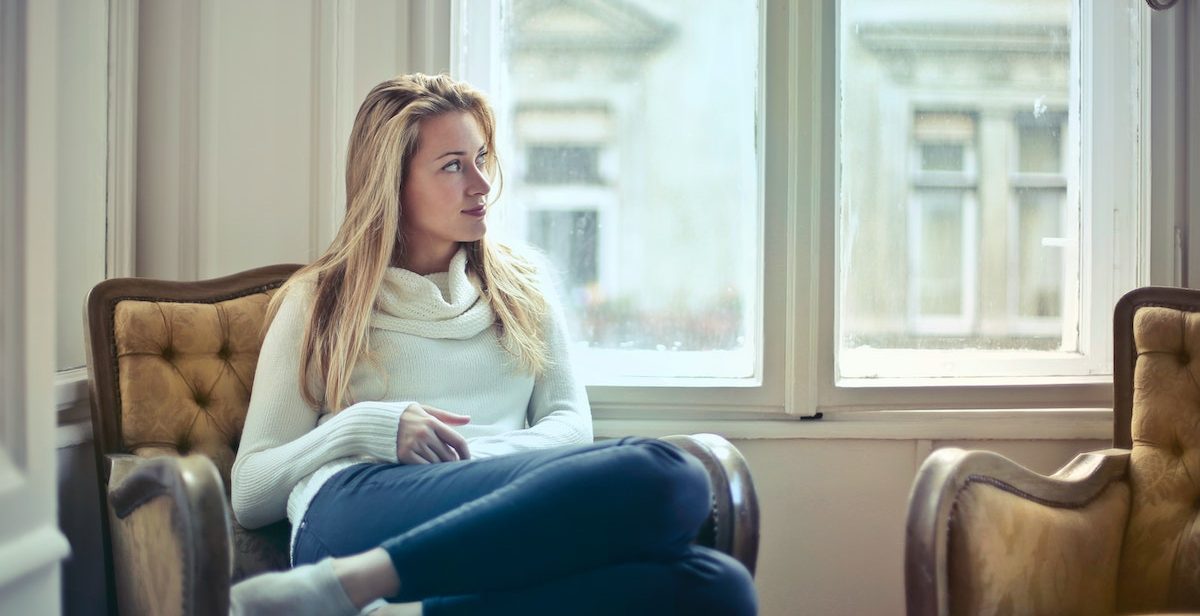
x=942 y=226
x=910 y=199
x=562 y=164
x=569 y=238
x=629 y=186
x=977 y=272
x=1037 y=291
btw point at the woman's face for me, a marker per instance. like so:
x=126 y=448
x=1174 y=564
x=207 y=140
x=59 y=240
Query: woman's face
x=444 y=196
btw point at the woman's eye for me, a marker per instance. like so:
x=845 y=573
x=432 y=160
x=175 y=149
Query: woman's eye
x=453 y=165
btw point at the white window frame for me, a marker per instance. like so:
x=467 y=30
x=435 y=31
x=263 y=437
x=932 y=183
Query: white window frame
x=1107 y=191
x=798 y=150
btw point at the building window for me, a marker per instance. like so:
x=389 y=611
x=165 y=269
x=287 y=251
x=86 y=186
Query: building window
x=942 y=225
x=1039 y=196
x=562 y=164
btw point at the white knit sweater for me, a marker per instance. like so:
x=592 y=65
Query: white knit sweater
x=432 y=342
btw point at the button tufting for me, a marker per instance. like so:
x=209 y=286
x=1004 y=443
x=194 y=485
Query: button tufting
x=1184 y=358
x=225 y=353
x=201 y=400
x=168 y=353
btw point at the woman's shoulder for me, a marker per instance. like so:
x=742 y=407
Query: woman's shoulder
x=295 y=297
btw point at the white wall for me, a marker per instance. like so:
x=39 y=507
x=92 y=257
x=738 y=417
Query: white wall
x=82 y=150
x=244 y=114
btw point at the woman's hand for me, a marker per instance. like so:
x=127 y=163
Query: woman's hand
x=425 y=438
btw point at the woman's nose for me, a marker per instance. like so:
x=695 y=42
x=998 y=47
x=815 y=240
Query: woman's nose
x=480 y=185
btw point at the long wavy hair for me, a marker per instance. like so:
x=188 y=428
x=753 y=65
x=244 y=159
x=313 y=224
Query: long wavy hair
x=386 y=134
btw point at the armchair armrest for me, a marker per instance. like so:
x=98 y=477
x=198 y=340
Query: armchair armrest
x=170 y=532
x=986 y=535
x=732 y=525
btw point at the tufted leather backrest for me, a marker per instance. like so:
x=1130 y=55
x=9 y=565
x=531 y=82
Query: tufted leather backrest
x=185 y=374
x=171 y=367
x=1160 y=561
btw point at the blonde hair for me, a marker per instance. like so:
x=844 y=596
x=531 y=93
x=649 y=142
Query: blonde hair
x=349 y=274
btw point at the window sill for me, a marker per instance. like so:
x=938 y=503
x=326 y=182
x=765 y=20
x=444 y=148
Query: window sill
x=1007 y=424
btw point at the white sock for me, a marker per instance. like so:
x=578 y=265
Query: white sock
x=383 y=608
x=307 y=590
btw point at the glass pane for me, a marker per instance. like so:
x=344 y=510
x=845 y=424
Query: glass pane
x=563 y=164
x=948 y=111
x=569 y=239
x=939 y=266
x=637 y=176
x=942 y=157
x=1039 y=143
x=1039 y=256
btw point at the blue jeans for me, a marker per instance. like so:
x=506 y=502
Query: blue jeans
x=598 y=529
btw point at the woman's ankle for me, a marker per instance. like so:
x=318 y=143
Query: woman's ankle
x=367 y=576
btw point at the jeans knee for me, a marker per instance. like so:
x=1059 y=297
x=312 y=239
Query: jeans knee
x=661 y=473
x=715 y=583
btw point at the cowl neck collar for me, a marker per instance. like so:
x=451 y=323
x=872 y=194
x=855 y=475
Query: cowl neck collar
x=440 y=305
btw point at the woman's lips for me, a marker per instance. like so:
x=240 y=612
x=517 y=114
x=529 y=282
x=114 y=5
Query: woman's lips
x=476 y=211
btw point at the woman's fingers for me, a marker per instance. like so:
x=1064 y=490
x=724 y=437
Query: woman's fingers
x=423 y=450
x=447 y=416
x=425 y=438
x=411 y=457
x=453 y=439
x=443 y=452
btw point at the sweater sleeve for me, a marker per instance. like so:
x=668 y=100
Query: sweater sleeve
x=558 y=412
x=282 y=442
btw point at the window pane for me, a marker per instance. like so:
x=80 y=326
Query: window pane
x=942 y=157
x=636 y=173
x=938 y=270
x=953 y=181
x=563 y=164
x=569 y=239
x=1039 y=258
x=1039 y=141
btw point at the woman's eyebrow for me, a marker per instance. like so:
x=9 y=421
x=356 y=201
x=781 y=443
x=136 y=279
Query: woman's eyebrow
x=482 y=148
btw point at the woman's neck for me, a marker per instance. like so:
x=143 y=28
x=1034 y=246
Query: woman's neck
x=426 y=260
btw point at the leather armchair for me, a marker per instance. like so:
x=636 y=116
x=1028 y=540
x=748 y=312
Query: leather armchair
x=1113 y=531
x=170 y=370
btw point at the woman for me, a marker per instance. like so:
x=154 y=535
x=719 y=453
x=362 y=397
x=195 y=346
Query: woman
x=414 y=392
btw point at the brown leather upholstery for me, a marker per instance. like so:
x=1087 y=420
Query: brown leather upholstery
x=1115 y=531
x=170 y=531
x=185 y=374
x=1160 y=564
x=171 y=366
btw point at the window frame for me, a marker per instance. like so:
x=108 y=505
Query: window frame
x=1092 y=388
x=796 y=225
